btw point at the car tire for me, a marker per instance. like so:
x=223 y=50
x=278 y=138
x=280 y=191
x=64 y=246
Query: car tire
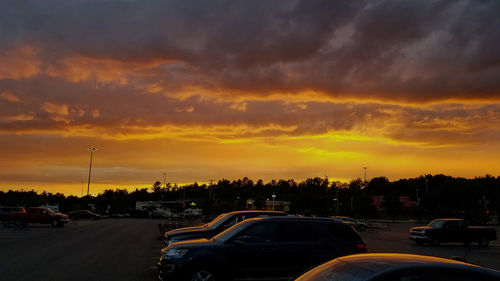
x=483 y=242
x=54 y=223
x=202 y=275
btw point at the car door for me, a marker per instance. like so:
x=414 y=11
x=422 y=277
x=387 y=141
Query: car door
x=296 y=249
x=251 y=253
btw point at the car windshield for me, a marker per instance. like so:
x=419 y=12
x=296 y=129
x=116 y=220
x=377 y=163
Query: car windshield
x=336 y=271
x=233 y=230
x=218 y=220
x=437 y=223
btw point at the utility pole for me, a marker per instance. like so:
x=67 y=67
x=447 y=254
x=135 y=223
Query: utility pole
x=337 y=195
x=91 y=149
x=365 y=173
x=274 y=196
x=210 y=190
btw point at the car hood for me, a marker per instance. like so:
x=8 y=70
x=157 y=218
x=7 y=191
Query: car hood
x=193 y=243
x=185 y=230
x=421 y=228
x=61 y=215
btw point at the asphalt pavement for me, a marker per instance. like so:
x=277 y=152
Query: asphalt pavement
x=109 y=249
x=394 y=239
x=128 y=249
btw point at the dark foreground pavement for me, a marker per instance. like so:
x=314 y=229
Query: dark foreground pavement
x=109 y=249
x=128 y=249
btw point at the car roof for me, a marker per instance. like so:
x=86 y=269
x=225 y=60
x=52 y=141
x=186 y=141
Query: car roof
x=379 y=262
x=298 y=218
x=255 y=211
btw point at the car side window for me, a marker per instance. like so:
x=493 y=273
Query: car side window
x=459 y=275
x=260 y=233
x=32 y=211
x=230 y=223
x=295 y=232
x=408 y=275
x=452 y=225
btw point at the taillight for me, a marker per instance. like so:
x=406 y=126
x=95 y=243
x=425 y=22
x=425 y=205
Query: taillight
x=361 y=246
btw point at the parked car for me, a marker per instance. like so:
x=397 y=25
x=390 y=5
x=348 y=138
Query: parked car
x=452 y=230
x=260 y=248
x=398 y=267
x=358 y=225
x=84 y=214
x=5 y=212
x=216 y=226
x=40 y=215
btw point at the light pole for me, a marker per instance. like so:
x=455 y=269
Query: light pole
x=365 y=173
x=91 y=149
x=274 y=196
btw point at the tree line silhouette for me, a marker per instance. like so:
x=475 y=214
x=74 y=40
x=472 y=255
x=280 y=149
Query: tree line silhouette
x=477 y=199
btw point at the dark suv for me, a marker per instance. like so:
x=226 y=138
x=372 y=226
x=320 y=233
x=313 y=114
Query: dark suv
x=260 y=248
x=216 y=226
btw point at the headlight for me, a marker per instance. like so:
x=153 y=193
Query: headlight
x=173 y=253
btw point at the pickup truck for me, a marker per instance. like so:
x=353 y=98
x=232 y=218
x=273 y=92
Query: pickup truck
x=39 y=215
x=452 y=230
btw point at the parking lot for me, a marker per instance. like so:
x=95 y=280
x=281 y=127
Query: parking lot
x=128 y=249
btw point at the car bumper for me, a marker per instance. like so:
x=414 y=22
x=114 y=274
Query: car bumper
x=419 y=238
x=169 y=271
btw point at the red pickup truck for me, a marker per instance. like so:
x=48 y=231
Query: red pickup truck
x=39 y=215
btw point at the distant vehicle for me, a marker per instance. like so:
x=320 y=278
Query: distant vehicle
x=40 y=215
x=263 y=248
x=216 y=226
x=398 y=267
x=5 y=212
x=452 y=230
x=84 y=214
x=358 y=225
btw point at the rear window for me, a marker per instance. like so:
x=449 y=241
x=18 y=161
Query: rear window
x=341 y=232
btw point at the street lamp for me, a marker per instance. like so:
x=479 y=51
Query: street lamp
x=91 y=149
x=274 y=196
x=365 y=173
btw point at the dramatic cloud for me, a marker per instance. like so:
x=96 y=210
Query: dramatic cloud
x=388 y=50
x=269 y=82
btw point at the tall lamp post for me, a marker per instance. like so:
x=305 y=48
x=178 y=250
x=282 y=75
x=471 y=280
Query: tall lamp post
x=91 y=149
x=365 y=173
x=274 y=196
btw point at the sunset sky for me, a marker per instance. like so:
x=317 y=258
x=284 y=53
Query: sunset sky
x=265 y=89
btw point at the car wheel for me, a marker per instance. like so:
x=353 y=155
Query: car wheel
x=54 y=223
x=202 y=275
x=483 y=242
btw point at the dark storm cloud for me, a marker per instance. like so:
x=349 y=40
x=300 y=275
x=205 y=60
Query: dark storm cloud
x=390 y=50
x=112 y=112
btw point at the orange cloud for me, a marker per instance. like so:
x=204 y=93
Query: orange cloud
x=8 y=96
x=19 y=62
